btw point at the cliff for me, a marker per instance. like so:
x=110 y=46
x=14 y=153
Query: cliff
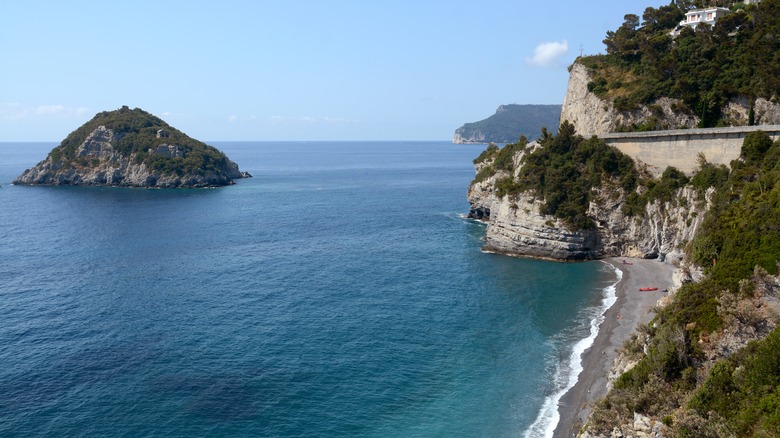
x=509 y=123
x=517 y=225
x=708 y=365
x=654 y=77
x=594 y=115
x=132 y=148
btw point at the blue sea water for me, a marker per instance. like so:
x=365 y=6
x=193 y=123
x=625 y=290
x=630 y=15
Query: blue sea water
x=339 y=292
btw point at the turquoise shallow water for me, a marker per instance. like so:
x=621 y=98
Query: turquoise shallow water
x=339 y=292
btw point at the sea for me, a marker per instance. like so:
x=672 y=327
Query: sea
x=339 y=292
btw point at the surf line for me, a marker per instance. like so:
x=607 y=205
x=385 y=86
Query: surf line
x=567 y=373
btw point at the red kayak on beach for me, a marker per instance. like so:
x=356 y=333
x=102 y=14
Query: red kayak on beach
x=646 y=289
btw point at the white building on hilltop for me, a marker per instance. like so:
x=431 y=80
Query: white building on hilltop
x=710 y=16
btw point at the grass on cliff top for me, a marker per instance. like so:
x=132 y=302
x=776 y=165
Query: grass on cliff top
x=137 y=131
x=738 y=57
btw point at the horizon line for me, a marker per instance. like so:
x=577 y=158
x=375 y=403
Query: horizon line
x=268 y=141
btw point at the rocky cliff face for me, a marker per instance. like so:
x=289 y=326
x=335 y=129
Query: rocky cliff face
x=473 y=137
x=591 y=115
x=737 y=112
x=99 y=163
x=516 y=226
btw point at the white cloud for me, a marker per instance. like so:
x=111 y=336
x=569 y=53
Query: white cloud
x=15 y=111
x=291 y=120
x=548 y=54
x=338 y=120
x=43 y=110
x=283 y=119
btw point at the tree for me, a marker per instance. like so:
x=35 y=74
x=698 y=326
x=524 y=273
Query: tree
x=755 y=146
x=625 y=40
x=665 y=17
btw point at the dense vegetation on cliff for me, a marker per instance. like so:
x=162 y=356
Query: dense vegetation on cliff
x=738 y=57
x=739 y=244
x=709 y=363
x=693 y=372
x=510 y=122
x=565 y=170
x=137 y=131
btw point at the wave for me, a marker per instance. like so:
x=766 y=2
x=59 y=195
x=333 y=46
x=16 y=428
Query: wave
x=465 y=217
x=568 y=372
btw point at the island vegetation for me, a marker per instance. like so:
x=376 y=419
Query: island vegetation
x=138 y=135
x=132 y=148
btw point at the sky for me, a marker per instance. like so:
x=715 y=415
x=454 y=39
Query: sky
x=297 y=70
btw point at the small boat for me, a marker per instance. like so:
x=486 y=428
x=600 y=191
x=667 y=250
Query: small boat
x=647 y=289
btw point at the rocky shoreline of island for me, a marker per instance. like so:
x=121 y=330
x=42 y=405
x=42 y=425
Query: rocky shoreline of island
x=132 y=148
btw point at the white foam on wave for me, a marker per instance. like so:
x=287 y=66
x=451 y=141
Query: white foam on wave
x=567 y=372
x=465 y=217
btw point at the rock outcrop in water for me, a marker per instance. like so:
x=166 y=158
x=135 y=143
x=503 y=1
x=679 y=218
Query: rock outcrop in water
x=132 y=148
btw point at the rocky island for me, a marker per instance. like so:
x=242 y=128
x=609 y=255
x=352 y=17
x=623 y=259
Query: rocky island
x=132 y=148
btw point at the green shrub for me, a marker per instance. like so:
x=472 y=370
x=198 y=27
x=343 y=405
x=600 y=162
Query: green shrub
x=563 y=171
x=708 y=175
x=485 y=173
x=755 y=147
x=504 y=158
x=744 y=390
x=488 y=154
x=664 y=190
x=695 y=303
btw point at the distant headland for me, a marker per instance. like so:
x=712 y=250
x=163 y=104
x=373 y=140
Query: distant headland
x=509 y=123
x=132 y=148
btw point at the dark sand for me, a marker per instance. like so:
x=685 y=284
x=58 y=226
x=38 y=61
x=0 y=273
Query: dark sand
x=633 y=308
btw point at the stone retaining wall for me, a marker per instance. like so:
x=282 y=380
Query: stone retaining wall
x=680 y=148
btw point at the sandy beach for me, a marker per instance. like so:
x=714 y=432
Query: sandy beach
x=631 y=309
